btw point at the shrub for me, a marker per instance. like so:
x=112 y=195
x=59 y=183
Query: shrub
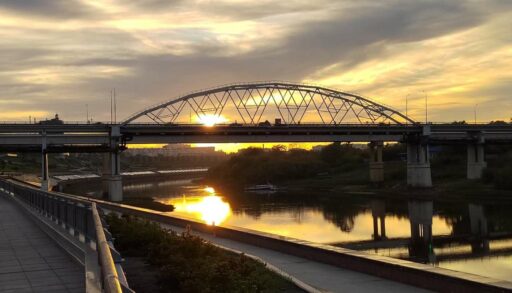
x=187 y=263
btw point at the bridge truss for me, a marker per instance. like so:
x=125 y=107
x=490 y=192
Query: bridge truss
x=253 y=103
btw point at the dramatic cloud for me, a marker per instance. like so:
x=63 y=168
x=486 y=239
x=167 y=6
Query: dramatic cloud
x=58 y=56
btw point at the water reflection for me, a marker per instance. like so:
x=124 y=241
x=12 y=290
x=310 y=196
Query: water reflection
x=475 y=245
x=468 y=237
x=210 y=208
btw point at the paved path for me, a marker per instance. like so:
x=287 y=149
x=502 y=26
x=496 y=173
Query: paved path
x=321 y=276
x=29 y=260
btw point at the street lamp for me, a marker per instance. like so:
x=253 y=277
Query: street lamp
x=474 y=112
x=426 y=107
x=407 y=108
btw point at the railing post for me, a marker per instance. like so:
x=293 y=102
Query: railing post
x=74 y=214
x=67 y=203
x=85 y=222
x=59 y=211
x=52 y=211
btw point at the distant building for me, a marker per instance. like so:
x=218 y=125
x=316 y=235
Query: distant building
x=54 y=121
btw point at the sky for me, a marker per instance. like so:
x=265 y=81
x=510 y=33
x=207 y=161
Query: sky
x=57 y=56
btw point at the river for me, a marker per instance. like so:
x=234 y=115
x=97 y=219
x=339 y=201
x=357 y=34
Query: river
x=464 y=236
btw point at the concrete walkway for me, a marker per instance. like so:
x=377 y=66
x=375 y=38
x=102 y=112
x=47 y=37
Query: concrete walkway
x=325 y=278
x=29 y=260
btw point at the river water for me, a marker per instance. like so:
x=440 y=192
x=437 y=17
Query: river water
x=464 y=236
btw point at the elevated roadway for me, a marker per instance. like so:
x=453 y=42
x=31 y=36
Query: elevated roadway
x=95 y=137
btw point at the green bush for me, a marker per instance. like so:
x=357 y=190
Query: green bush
x=187 y=263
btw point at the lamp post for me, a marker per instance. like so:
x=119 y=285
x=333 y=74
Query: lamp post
x=474 y=112
x=407 y=108
x=426 y=107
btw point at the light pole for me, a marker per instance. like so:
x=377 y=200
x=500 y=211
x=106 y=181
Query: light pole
x=407 y=108
x=87 y=112
x=474 y=112
x=426 y=107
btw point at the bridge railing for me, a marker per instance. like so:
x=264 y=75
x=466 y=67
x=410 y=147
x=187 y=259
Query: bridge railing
x=81 y=218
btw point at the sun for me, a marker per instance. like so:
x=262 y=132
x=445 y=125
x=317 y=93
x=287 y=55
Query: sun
x=211 y=119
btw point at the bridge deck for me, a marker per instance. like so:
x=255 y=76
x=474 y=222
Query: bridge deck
x=29 y=260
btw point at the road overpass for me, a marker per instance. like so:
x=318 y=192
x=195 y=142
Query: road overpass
x=304 y=113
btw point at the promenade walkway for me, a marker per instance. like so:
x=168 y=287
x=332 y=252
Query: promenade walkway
x=29 y=260
x=323 y=277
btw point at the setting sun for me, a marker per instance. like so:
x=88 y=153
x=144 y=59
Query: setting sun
x=211 y=119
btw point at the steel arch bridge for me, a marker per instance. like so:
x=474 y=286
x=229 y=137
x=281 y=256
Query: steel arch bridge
x=254 y=103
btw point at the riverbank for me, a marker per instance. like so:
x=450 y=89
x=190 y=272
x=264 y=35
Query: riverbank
x=453 y=189
x=346 y=218
x=182 y=262
x=341 y=169
x=271 y=247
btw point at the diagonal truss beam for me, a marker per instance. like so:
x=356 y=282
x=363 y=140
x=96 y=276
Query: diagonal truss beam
x=292 y=102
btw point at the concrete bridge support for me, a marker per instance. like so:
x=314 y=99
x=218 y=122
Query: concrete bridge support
x=376 y=162
x=111 y=176
x=418 y=165
x=476 y=161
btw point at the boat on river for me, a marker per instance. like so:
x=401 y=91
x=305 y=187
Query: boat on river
x=261 y=188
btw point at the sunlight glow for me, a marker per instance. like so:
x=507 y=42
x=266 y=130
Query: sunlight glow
x=211 y=119
x=209 y=190
x=211 y=208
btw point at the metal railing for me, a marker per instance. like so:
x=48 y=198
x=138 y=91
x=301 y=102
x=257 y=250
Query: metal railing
x=81 y=218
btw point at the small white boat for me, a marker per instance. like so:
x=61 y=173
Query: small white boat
x=261 y=187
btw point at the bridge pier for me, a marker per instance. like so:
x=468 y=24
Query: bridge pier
x=111 y=177
x=112 y=180
x=476 y=161
x=376 y=162
x=418 y=165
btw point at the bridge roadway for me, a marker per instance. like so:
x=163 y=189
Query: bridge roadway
x=29 y=260
x=112 y=139
x=96 y=137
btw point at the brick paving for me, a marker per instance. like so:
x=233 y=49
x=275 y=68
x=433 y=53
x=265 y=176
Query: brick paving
x=29 y=260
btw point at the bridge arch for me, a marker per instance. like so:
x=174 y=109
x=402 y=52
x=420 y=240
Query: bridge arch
x=253 y=103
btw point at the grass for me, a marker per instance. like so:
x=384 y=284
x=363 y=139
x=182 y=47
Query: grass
x=182 y=262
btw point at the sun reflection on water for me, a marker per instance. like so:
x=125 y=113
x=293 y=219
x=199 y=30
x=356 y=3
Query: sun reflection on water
x=211 y=209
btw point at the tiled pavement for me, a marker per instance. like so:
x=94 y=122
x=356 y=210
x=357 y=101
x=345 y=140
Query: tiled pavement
x=29 y=260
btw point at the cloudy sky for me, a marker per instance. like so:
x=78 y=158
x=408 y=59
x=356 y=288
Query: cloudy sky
x=58 y=55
